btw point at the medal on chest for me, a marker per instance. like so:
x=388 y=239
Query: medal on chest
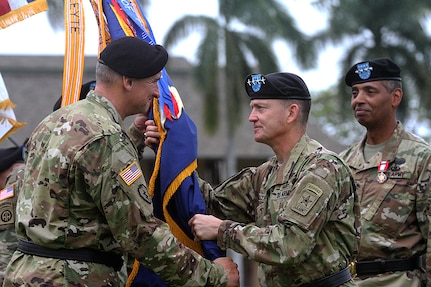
x=381 y=175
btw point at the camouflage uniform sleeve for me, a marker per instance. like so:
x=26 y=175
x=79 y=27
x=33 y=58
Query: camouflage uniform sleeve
x=286 y=233
x=234 y=198
x=120 y=190
x=8 y=237
x=137 y=137
x=423 y=210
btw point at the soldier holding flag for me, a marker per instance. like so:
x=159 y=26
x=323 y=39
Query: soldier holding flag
x=84 y=203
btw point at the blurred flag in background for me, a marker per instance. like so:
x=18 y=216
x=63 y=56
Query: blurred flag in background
x=8 y=122
x=13 y=11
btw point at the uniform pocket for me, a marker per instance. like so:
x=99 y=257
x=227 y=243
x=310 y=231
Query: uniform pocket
x=391 y=209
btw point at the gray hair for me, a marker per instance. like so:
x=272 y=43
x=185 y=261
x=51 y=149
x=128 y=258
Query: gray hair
x=304 y=109
x=105 y=74
x=392 y=85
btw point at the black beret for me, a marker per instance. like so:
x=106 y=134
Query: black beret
x=134 y=58
x=9 y=156
x=380 y=69
x=276 y=86
x=85 y=88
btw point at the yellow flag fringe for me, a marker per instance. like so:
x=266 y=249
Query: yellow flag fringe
x=8 y=122
x=22 y=13
x=6 y=105
x=133 y=273
x=162 y=131
x=176 y=230
x=15 y=125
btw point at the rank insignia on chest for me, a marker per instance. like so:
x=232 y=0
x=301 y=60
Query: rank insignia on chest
x=381 y=176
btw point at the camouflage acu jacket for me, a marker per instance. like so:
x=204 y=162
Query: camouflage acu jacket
x=300 y=221
x=395 y=202
x=8 y=199
x=84 y=187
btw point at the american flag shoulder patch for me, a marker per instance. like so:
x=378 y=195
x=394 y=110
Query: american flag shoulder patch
x=6 y=192
x=131 y=173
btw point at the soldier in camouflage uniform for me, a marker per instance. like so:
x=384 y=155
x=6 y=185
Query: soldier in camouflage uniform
x=84 y=202
x=392 y=169
x=296 y=214
x=11 y=173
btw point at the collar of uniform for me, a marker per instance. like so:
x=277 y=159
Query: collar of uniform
x=355 y=156
x=390 y=149
x=93 y=97
x=303 y=148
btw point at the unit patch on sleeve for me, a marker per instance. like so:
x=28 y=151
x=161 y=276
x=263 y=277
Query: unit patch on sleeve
x=7 y=213
x=131 y=173
x=308 y=198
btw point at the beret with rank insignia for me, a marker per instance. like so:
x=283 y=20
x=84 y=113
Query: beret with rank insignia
x=381 y=69
x=276 y=86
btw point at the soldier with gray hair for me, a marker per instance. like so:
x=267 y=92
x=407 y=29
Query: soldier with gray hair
x=297 y=214
x=84 y=206
x=392 y=169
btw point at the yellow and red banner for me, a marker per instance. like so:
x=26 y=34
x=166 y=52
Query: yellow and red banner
x=73 y=69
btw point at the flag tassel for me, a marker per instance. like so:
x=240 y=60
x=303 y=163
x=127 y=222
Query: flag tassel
x=22 y=13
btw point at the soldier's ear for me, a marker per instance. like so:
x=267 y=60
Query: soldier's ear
x=396 y=97
x=127 y=83
x=292 y=111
